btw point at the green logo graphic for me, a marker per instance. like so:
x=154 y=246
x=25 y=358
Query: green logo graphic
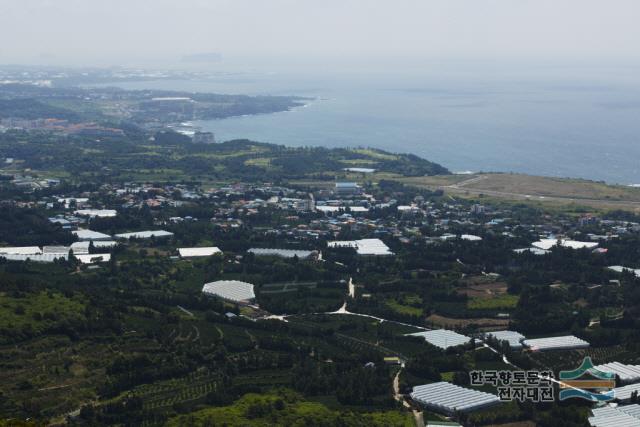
x=587 y=382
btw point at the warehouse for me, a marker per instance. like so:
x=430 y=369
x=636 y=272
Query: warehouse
x=231 y=290
x=568 y=342
x=449 y=399
x=442 y=338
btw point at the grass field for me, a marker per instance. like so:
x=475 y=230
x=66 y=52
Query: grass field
x=545 y=190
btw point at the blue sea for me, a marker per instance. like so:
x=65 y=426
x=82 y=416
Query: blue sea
x=543 y=122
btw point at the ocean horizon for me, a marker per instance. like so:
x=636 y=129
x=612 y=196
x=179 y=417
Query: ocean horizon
x=541 y=125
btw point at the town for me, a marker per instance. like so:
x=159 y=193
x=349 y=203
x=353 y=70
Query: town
x=350 y=290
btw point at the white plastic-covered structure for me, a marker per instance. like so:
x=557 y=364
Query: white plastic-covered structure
x=363 y=246
x=513 y=338
x=448 y=398
x=230 y=290
x=282 y=253
x=616 y=416
x=443 y=338
x=626 y=373
x=198 y=252
x=144 y=234
x=566 y=342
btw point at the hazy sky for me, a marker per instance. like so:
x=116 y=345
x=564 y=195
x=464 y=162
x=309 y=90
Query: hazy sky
x=127 y=32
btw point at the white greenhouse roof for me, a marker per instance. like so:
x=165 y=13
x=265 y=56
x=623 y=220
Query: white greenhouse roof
x=324 y=208
x=93 y=258
x=361 y=170
x=232 y=290
x=450 y=398
x=619 y=416
x=624 y=392
x=358 y=209
x=34 y=258
x=363 y=246
x=101 y=213
x=547 y=244
x=21 y=250
x=566 y=342
x=62 y=250
x=471 y=237
x=535 y=251
x=620 y=269
x=513 y=338
x=104 y=243
x=80 y=248
x=626 y=373
x=198 y=252
x=91 y=235
x=284 y=253
x=443 y=338
x=144 y=234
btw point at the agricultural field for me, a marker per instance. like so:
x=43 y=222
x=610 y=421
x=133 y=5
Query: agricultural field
x=406 y=304
x=39 y=312
x=282 y=409
x=498 y=302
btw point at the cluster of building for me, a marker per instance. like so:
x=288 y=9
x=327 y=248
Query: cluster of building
x=62 y=126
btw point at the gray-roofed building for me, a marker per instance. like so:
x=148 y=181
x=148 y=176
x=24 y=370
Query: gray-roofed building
x=448 y=398
x=347 y=188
